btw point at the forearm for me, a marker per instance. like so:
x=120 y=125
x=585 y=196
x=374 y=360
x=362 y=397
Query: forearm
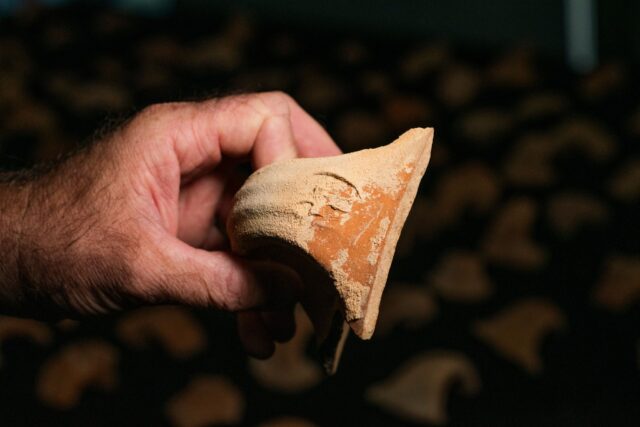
x=61 y=236
x=15 y=189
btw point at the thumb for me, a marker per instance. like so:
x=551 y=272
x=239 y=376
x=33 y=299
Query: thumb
x=221 y=280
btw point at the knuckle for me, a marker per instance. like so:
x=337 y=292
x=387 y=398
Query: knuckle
x=158 y=112
x=276 y=102
x=155 y=110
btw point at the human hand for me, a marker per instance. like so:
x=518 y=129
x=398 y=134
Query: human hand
x=138 y=218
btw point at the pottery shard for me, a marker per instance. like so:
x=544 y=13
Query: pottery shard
x=568 y=212
x=461 y=276
x=619 y=286
x=65 y=376
x=531 y=161
x=407 y=305
x=13 y=327
x=509 y=241
x=173 y=327
x=515 y=69
x=457 y=85
x=34 y=331
x=625 y=185
x=207 y=400
x=289 y=369
x=336 y=220
x=518 y=331
x=485 y=124
x=420 y=390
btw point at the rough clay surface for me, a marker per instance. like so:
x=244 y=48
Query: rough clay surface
x=345 y=212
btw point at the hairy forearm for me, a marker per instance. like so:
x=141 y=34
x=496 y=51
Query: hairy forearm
x=15 y=189
x=59 y=238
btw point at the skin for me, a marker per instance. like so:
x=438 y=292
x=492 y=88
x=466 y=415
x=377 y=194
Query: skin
x=138 y=218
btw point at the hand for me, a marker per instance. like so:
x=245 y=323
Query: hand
x=139 y=217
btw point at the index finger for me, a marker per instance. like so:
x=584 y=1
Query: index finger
x=265 y=127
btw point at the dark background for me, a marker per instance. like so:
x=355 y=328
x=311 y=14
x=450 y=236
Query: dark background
x=558 y=292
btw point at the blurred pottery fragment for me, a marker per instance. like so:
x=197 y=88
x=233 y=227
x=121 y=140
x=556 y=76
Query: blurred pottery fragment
x=461 y=276
x=514 y=70
x=625 y=184
x=79 y=366
x=358 y=129
x=509 y=241
x=541 y=105
x=568 y=212
x=32 y=330
x=518 y=332
x=289 y=369
x=420 y=389
x=485 y=124
x=205 y=401
x=457 y=85
x=408 y=305
x=619 y=287
x=423 y=60
x=603 y=81
x=173 y=327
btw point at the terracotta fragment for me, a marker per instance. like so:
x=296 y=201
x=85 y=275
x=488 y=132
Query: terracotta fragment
x=375 y=83
x=603 y=81
x=360 y=129
x=337 y=221
x=419 y=391
x=214 y=53
x=567 y=212
x=485 y=124
x=14 y=327
x=625 y=185
x=84 y=96
x=469 y=187
x=590 y=137
x=404 y=111
x=423 y=60
x=531 y=161
x=34 y=331
x=457 y=85
x=173 y=327
x=515 y=69
x=318 y=90
x=289 y=369
x=461 y=276
x=619 y=286
x=509 y=241
x=541 y=105
x=518 y=332
x=66 y=376
x=407 y=305
x=160 y=50
x=205 y=401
